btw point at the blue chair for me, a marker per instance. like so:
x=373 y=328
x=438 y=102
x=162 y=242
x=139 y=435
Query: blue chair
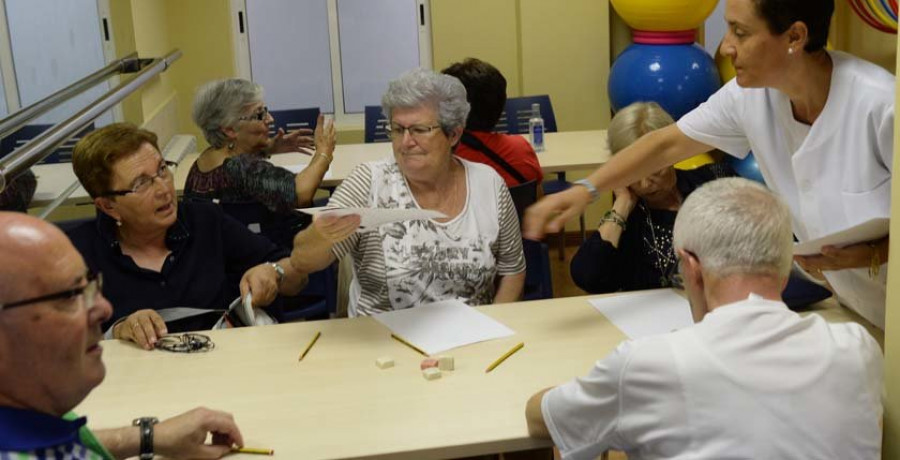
x=28 y=132
x=318 y=300
x=376 y=125
x=293 y=119
x=515 y=116
x=538 y=280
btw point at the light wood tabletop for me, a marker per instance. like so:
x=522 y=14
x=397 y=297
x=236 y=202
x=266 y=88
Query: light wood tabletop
x=337 y=404
x=565 y=151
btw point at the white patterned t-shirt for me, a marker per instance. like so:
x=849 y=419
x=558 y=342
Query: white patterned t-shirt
x=405 y=264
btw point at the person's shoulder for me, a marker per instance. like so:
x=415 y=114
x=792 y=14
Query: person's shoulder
x=199 y=213
x=862 y=74
x=481 y=173
x=850 y=335
x=81 y=233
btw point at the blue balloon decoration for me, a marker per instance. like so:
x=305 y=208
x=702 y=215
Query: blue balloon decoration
x=677 y=77
x=747 y=168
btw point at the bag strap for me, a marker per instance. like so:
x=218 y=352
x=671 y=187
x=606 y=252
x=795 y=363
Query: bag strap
x=473 y=142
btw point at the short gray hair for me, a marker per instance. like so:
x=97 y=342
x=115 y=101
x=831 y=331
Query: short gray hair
x=633 y=121
x=220 y=104
x=736 y=226
x=425 y=87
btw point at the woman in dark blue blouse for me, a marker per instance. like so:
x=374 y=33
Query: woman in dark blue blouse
x=157 y=255
x=632 y=248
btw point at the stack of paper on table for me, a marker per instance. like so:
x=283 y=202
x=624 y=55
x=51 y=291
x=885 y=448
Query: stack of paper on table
x=869 y=230
x=374 y=217
x=440 y=326
x=644 y=313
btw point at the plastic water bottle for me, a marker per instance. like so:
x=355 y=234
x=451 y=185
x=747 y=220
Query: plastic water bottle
x=536 y=128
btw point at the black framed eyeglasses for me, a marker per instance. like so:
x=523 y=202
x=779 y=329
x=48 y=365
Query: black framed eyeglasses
x=185 y=343
x=89 y=290
x=418 y=132
x=143 y=183
x=259 y=115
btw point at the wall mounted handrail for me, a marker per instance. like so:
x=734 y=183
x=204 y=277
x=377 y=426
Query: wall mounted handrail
x=43 y=145
x=128 y=64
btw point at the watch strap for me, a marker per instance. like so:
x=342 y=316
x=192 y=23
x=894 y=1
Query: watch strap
x=279 y=270
x=590 y=187
x=145 y=425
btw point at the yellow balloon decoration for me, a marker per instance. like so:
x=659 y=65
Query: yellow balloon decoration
x=695 y=161
x=664 y=15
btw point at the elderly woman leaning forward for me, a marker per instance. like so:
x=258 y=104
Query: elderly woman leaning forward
x=156 y=254
x=475 y=254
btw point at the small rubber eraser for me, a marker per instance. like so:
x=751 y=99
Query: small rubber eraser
x=445 y=363
x=384 y=362
x=428 y=362
x=432 y=373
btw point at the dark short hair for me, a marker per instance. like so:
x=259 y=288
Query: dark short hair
x=816 y=14
x=485 y=90
x=95 y=155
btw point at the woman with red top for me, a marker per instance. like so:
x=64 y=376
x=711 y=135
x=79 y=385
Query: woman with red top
x=511 y=156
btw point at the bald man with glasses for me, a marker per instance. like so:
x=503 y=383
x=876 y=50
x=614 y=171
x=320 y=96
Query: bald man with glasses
x=51 y=309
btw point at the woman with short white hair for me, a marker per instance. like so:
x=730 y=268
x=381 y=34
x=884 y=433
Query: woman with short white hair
x=474 y=254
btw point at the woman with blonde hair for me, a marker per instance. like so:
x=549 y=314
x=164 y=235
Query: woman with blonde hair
x=632 y=247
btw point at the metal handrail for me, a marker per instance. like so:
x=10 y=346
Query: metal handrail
x=128 y=64
x=43 y=145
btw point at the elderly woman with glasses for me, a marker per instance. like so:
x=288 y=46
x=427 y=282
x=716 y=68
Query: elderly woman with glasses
x=157 y=255
x=474 y=254
x=235 y=121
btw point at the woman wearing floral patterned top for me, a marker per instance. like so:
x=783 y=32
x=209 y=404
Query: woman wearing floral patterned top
x=475 y=254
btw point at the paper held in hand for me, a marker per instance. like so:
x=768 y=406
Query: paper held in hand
x=375 y=217
x=873 y=229
x=440 y=326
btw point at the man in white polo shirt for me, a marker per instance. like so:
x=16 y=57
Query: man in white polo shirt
x=750 y=379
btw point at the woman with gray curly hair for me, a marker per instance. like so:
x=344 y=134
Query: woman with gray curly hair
x=235 y=121
x=474 y=254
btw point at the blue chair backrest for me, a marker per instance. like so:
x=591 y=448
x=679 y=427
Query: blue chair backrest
x=293 y=119
x=28 y=132
x=523 y=196
x=538 y=280
x=514 y=119
x=376 y=125
x=318 y=300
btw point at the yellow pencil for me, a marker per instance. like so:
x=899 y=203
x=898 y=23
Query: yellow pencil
x=251 y=450
x=505 y=355
x=404 y=342
x=309 y=347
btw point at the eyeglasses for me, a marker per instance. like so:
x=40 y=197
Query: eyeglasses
x=259 y=115
x=186 y=343
x=143 y=183
x=89 y=291
x=417 y=132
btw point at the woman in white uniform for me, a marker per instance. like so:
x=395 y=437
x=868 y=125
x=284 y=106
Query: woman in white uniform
x=820 y=125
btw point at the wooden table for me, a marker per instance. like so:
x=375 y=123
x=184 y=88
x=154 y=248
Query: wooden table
x=338 y=404
x=565 y=151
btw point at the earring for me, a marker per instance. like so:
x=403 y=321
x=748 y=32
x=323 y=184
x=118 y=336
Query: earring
x=118 y=223
x=790 y=50
x=230 y=146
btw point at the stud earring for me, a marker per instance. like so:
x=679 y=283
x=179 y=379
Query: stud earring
x=231 y=146
x=118 y=223
x=790 y=50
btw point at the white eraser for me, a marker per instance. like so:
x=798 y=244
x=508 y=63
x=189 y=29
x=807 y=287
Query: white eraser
x=445 y=363
x=432 y=373
x=384 y=362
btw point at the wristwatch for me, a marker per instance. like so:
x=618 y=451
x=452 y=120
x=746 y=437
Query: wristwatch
x=588 y=185
x=280 y=271
x=145 y=424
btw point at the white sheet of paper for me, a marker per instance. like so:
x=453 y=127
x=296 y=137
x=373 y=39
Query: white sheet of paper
x=374 y=217
x=443 y=325
x=640 y=314
x=296 y=168
x=869 y=230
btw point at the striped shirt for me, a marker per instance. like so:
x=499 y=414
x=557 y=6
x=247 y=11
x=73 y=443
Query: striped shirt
x=405 y=264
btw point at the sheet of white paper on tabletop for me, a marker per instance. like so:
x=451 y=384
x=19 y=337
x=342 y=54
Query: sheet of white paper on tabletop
x=374 y=217
x=440 y=326
x=640 y=314
x=869 y=230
